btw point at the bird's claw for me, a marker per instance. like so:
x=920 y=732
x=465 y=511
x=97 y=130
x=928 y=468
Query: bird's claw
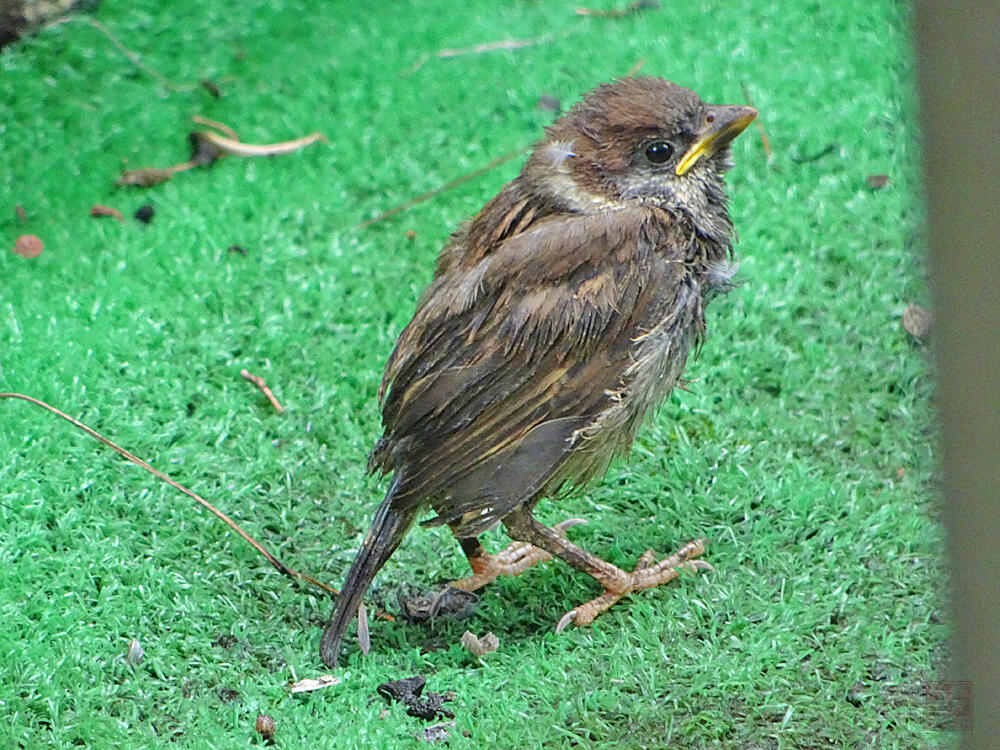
x=647 y=574
x=565 y=620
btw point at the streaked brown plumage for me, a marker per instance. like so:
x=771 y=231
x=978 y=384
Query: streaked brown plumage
x=560 y=316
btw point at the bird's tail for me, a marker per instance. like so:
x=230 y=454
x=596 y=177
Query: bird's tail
x=386 y=532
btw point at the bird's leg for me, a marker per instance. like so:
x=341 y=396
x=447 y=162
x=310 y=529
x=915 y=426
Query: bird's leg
x=523 y=526
x=515 y=559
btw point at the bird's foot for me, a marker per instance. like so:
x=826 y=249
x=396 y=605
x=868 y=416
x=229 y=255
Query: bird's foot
x=646 y=575
x=514 y=560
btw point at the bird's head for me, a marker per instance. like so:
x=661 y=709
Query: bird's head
x=639 y=140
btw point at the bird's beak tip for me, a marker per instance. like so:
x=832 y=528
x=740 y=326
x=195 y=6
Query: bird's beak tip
x=722 y=125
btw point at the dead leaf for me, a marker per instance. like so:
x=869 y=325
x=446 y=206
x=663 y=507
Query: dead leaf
x=917 y=321
x=876 y=181
x=447 y=602
x=409 y=692
x=265 y=728
x=635 y=7
x=436 y=733
x=308 y=684
x=28 y=245
x=99 y=210
x=135 y=653
x=145 y=177
x=480 y=646
x=22 y=215
x=364 y=636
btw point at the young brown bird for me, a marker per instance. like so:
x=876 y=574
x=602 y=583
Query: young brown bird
x=557 y=319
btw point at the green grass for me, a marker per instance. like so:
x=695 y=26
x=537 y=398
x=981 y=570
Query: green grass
x=805 y=448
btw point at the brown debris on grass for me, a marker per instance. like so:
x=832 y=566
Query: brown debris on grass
x=208 y=147
x=636 y=68
x=28 y=246
x=765 y=141
x=259 y=382
x=313 y=683
x=478 y=49
x=407 y=205
x=220 y=126
x=409 y=692
x=275 y=562
x=135 y=653
x=99 y=210
x=364 y=635
x=636 y=7
x=877 y=181
x=265 y=728
x=917 y=321
x=480 y=646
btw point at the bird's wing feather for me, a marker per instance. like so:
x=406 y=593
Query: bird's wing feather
x=496 y=373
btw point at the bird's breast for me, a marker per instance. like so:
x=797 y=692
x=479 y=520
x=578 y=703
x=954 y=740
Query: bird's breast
x=658 y=358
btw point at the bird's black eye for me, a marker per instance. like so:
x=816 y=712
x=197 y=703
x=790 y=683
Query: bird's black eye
x=659 y=151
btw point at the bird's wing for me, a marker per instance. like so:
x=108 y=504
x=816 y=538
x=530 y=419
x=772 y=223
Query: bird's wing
x=504 y=361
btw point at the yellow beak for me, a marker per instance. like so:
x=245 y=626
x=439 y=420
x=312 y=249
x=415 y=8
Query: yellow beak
x=720 y=125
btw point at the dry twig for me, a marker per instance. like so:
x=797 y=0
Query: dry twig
x=238 y=148
x=217 y=125
x=636 y=68
x=207 y=148
x=636 y=7
x=405 y=206
x=478 y=49
x=279 y=566
x=760 y=127
x=99 y=210
x=258 y=381
x=130 y=55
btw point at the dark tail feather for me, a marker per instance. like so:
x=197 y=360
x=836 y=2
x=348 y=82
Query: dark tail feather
x=385 y=534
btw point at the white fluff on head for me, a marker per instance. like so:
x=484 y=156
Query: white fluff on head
x=559 y=152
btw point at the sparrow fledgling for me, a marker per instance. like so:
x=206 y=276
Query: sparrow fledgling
x=558 y=318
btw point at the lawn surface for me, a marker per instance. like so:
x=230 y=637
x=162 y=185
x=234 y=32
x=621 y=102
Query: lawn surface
x=804 y=448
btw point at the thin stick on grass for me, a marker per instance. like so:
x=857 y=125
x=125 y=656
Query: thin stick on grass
x=501 y=44
x=407 y=205
x=258 y=381
x=760 y=128
x=130 y=55
x=221 y=126
x=493 y=46
x=238 y=148
x=636 y=68
x=207 y=148
x=636 y=7
x=279 y=566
